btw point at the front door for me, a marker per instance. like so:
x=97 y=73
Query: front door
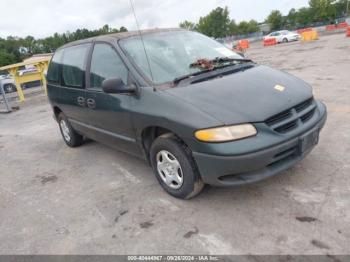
x=109 y=113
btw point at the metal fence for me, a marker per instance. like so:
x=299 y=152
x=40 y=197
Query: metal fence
x=229 y=41
x=3 y=100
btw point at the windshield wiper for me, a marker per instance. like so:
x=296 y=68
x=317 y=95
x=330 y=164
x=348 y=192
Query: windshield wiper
x=229 y=59
x=210 y=65
x=179 y=79
x=217 y=62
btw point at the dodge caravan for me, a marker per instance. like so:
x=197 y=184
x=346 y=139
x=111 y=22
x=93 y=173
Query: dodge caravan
x=196 y=111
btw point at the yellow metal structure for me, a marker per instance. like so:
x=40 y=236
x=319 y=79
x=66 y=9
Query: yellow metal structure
x=41 y=66
x=309 y=36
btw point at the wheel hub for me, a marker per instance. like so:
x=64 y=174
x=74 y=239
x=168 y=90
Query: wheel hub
x=65 y=130
x=169 y=169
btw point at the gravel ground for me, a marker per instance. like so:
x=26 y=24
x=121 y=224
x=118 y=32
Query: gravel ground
x=96 y=200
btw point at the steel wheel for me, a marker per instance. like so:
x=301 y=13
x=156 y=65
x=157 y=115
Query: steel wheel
x=65 y=130
x=169 y=169
x=174 y=167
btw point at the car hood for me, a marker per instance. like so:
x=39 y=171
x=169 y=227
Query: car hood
x=245 y=96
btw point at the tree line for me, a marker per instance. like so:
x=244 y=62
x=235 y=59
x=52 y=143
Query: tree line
x=218 y=23
x=15 y=49
x=318 y=13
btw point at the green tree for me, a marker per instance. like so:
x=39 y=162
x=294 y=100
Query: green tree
x=253 y=26
x=291 y=19
x=28 y=43
x=216 y=23
x=188 y=25
x=123 y=29
x=304 y=17
x=105 y=29
x=7 y=58
x=14 y=49
x=275 y=19
x=341 y=7
x=323 y=10
x=243 y=28
x=233 y=28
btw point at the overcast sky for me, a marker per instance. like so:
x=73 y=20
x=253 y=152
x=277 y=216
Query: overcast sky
x=41 y=18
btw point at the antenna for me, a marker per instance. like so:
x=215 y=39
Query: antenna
x=143 y=43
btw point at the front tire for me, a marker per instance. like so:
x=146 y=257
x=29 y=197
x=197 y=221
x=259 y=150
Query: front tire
x=285 y=40
x=175 y=168
x=69 y=135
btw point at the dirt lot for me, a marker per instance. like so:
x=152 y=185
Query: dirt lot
x=95 y=200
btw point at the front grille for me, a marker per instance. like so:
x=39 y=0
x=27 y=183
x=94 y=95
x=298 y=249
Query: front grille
x=307 y=116
x=279 y=117
x=287 y=127
x=290 y=119
x=300 y=107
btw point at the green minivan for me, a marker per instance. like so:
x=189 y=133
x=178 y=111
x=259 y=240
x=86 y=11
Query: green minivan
x=196 y=111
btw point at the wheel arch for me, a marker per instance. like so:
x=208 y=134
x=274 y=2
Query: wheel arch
x=56 y=111
x=151 y=133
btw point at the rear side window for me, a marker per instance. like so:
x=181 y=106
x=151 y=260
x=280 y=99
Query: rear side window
x=73 y=65
x=54 y=68
x=106 y=63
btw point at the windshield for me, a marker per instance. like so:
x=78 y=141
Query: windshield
x=171 y=53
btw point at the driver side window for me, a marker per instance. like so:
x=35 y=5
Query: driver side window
x=106 y=63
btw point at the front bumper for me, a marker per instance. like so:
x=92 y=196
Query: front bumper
x=295 y=38
x=245 y=168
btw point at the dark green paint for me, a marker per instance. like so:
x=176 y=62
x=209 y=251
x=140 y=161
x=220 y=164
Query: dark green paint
x=246 y=96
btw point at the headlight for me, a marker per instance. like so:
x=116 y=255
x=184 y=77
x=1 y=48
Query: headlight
x=227 y=133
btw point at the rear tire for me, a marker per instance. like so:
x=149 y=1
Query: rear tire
x=69 y=135
x=175 y=168
x=285 y=40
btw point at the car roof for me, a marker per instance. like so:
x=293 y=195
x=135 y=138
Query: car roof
x=280 y=31
x=117 y=36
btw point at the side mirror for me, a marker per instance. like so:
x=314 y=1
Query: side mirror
x=115 y=85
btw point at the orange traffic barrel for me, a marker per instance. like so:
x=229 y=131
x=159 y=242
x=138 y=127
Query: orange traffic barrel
x=270 y=42
x=243 y=44
x=300 y=31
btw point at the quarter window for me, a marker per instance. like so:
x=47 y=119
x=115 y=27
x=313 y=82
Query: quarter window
x=106 y=63
x=53 y=71
x=73 y=65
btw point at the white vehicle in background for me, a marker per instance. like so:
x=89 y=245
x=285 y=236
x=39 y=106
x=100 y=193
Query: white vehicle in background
x=284 y=36
x=7 y=83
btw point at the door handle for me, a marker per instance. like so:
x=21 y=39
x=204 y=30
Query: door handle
x=91 y=103
x=81 y=101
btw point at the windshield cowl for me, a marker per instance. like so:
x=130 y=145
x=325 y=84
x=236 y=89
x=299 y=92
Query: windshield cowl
x=208 y=74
